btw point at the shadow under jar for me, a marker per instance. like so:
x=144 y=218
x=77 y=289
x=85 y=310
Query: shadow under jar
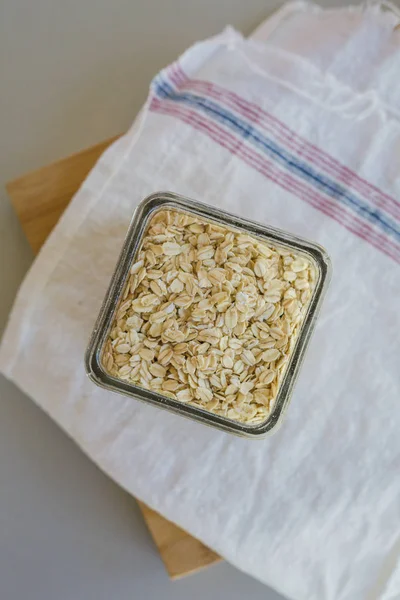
x=208 y=315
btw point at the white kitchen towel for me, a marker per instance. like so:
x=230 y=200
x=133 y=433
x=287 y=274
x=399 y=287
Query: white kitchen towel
x=301 y=132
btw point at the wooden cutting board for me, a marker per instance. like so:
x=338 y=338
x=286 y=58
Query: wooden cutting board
x=39 y=199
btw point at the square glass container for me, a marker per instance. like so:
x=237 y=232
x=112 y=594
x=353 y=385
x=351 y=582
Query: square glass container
x=137 y=229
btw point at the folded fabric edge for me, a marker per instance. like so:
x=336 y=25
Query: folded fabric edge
x=362 y=104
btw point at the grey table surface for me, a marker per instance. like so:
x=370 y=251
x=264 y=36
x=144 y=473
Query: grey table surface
x=72 y=74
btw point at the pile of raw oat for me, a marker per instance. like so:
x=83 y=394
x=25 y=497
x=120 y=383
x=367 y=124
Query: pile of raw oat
x=209 y=316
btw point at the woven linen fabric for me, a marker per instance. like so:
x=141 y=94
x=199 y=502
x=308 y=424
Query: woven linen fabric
x=299 y=131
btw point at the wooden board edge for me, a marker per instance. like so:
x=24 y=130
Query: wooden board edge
x=172 y=543
x=96 y=148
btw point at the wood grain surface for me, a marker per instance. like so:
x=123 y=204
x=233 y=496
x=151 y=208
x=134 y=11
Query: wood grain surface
x=39 y=198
